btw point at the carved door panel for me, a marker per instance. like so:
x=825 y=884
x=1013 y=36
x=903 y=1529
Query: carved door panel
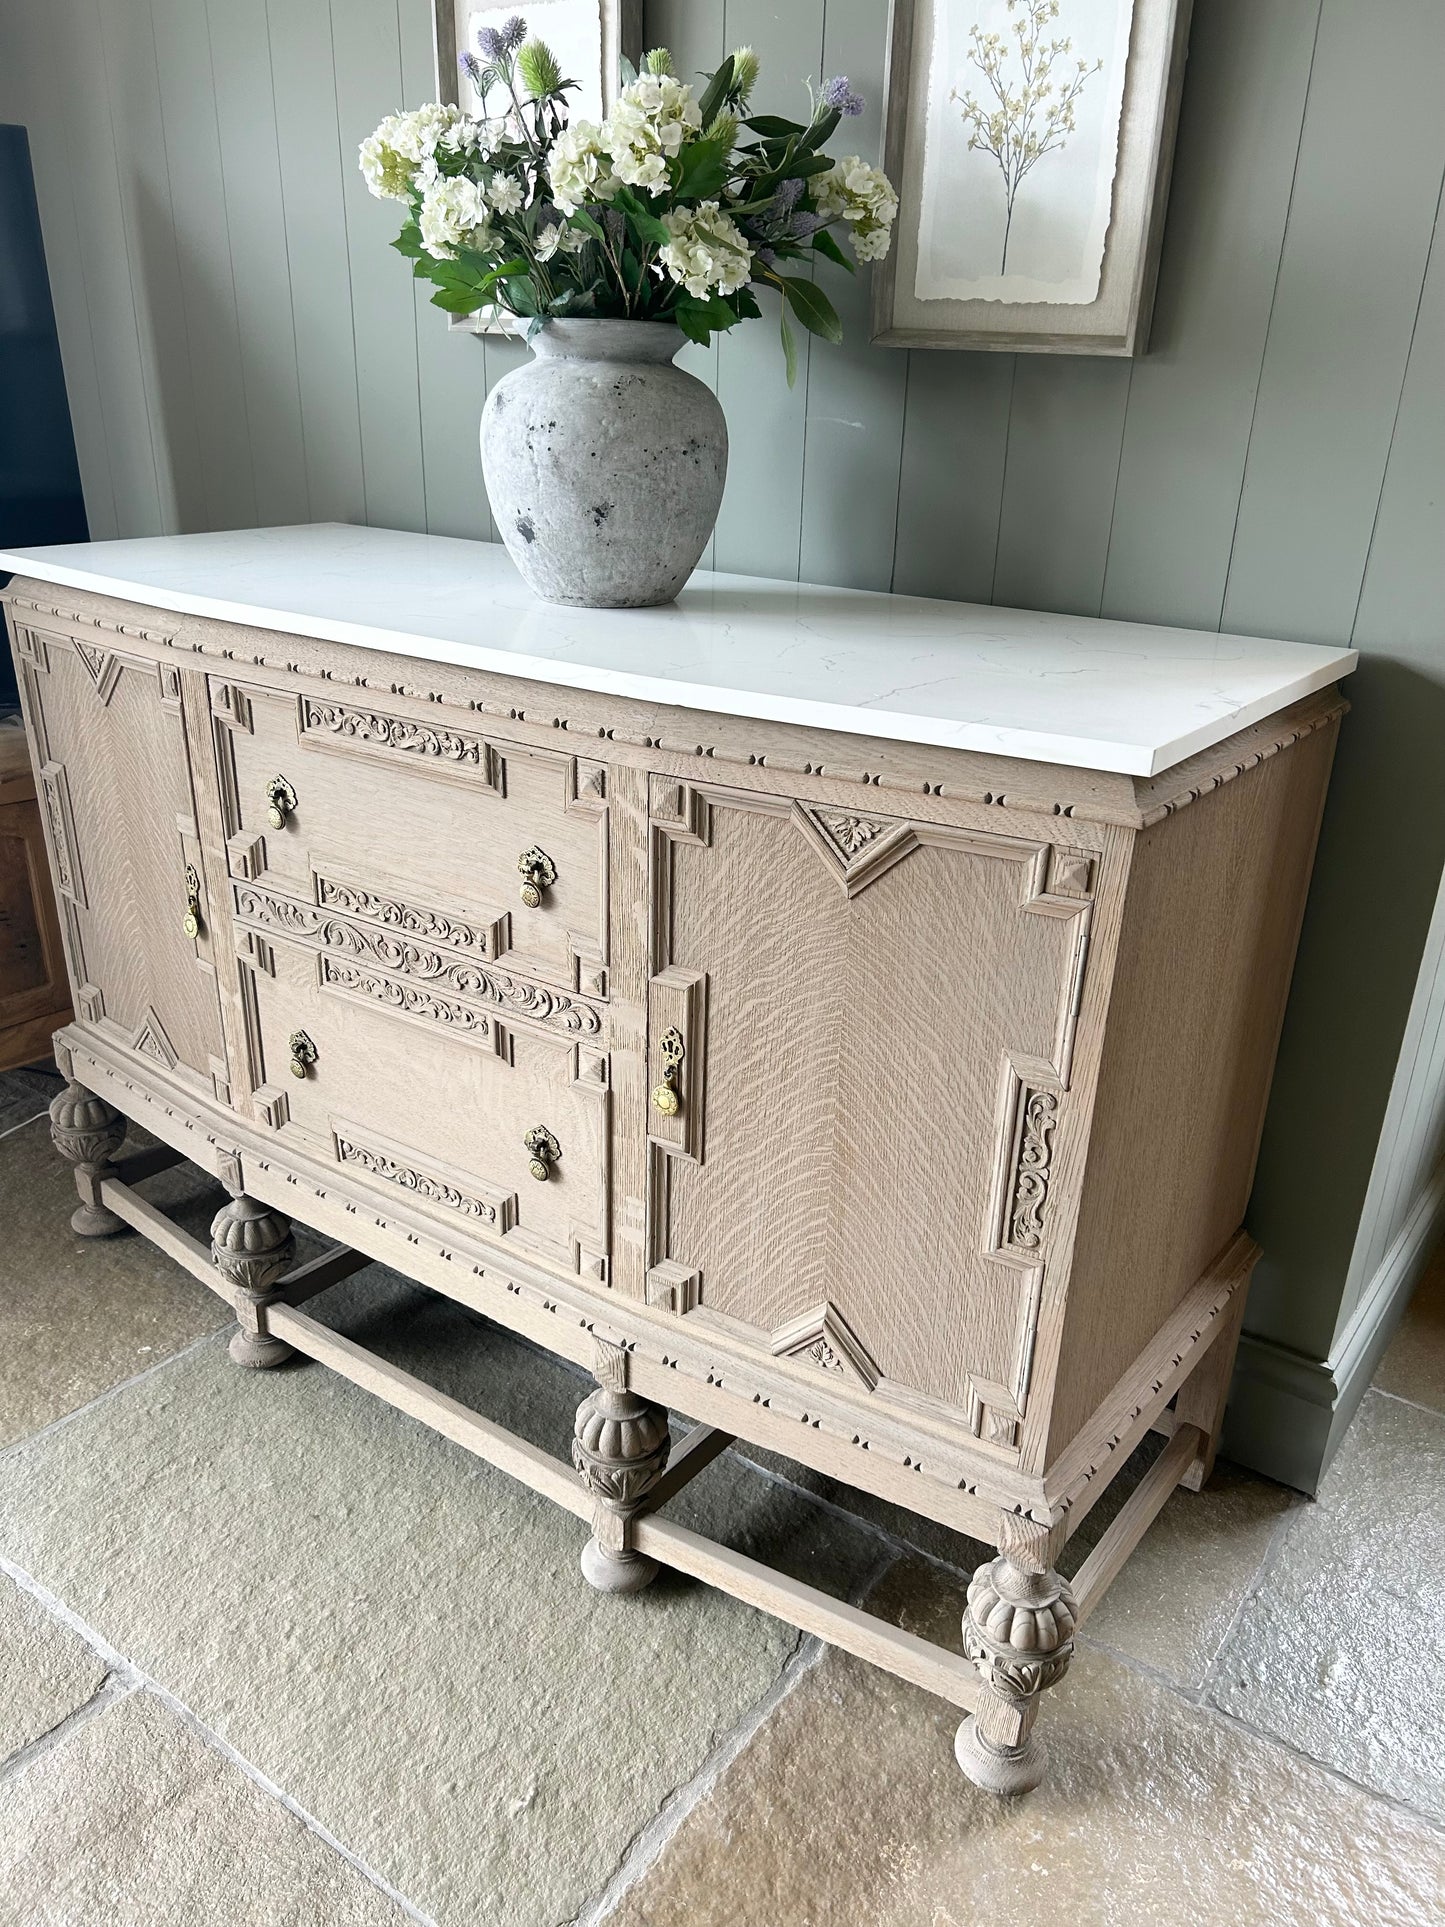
x=876 y=1020
x=430 y=1095
x=419 y=828
x=115 y=787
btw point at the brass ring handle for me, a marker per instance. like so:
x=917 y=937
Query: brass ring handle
x=192 y=921
x=303 y=1053
x=666 y=1097
x=280 y=802
x=543 y=1152
x=539 y=873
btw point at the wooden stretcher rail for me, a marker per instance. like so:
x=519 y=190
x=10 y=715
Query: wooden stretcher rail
x=1134 y=1518
x=902 y=1653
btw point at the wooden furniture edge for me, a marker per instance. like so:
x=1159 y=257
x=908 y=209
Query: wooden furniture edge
x=1134 y=1518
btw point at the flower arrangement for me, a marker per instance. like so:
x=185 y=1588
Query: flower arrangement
x=680 y=207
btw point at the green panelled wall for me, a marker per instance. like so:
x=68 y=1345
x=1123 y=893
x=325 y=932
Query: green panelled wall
x=242 y=347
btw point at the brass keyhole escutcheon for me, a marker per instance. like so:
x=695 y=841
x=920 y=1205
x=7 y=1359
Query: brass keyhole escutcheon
x=666 y=1097
x=303 y=1053
x=539 y=873
x=191 y=923
x=543 y=1150
x=280 y=801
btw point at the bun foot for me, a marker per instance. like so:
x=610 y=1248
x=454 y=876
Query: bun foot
x=258 y=1351
x=608 y=1571
x=1003 y=1770
x=89 y=1220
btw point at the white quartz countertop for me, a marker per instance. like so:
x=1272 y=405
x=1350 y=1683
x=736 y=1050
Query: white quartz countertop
x=1123 y=696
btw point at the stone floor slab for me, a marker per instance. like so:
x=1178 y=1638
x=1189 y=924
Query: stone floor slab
x=1414 y=1365
x=1341 y=1651
x=847 y=1810
x=1176 y=1598
x=25 y=1093
x=78 y=1315
x=132 y=1821
x=47 y=1672
x=392 y=1632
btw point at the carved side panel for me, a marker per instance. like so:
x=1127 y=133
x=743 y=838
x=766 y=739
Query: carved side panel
x=870 y=1205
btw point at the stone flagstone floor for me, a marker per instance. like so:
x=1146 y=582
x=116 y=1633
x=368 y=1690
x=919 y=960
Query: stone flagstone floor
x=272 y=1655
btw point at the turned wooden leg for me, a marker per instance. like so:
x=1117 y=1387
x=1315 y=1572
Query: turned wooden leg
x=88 y=1132
x=1018 y=1630
x=620 y=1445
x=251 y=1246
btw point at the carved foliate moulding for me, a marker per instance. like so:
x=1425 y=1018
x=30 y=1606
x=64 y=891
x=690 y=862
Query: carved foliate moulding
x=620 y=1441
x=86 y=1129
x=251 y=1244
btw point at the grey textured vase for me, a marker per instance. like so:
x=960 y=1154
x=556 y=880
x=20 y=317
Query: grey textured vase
x=604 y=464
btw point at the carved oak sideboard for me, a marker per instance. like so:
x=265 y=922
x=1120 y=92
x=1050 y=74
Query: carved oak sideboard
x=865 y=1056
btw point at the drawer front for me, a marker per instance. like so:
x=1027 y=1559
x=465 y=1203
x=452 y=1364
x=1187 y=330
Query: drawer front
x=875 y=1022
x=420 y=827
x=115 y=790
x=428 y=1096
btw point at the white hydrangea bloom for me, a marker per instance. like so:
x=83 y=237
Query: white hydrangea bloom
x=505 y=193
x=577 y=169
x=707 y=252
x=454 y=214
x=647 y=126
x=405 y=143
x=863 y=196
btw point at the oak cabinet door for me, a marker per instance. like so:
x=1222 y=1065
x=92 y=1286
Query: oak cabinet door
x=115 y=783
x=867 y=1025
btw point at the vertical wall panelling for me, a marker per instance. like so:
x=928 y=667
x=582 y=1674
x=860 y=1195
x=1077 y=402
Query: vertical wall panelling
x=451 y=362
x=950 y=494
x=181 y=40
x=1369 y=174
x=760 y=526
x=255 y=221
x=123 y=359
x=367 y=56
x=310 y=157
x=26 y=57
x=855 y=393
x=128 y=55
x=1191 y=398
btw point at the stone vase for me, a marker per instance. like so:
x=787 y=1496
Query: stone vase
x=604 y=464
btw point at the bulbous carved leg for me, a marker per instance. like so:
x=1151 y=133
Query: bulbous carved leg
x=251 y=1246
x=1018 y=1630
x=620 y=1445
x=88 y=1132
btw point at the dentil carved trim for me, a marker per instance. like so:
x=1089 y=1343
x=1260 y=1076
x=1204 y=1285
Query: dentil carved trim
x=434 y=925
x=1031 y=1177
x=436 y=1190
x=414 y=960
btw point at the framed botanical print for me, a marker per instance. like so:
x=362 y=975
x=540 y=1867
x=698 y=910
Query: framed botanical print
x=1031 y=143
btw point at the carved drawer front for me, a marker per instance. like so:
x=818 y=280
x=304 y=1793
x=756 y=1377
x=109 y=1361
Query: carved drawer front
x=428 y=827
x=866 y=1027
x=116 y=796
x=441 y=1102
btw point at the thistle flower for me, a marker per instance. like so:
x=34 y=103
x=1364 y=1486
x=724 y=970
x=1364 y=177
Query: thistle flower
x=659 y=61
x=490 y=44
x=746 y=67
x=514 y=33
x=473 y=69
x=838 y=95
x=538 y=69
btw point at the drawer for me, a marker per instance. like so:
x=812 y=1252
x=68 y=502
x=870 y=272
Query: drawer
x=429 y=1099
x=421 y=827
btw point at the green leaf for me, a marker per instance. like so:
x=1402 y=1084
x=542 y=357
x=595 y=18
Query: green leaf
x=627 y=70
x=408 y=242
x=458 y=300
x=702 y=169
x=717 y=91
x=643 y=222
x=790 y=347
x=746 y=304
x=824 y=127
x=631 y=270
x=692 y=318
x=825 y=244
x=773 y=126
x=582 y=219
x=812 y=307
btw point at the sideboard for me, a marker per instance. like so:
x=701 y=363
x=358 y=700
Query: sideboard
x=842 y=1018
x=33 y=995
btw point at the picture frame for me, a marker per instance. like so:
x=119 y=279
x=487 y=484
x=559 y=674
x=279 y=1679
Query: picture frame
x=595 y=34
x=1032 y=228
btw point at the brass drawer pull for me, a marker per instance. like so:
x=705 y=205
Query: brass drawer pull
x=539 y=873
x=543 y=1150
x=192 y=922
x=666 y=1097
x=303 y=1053
x=280 y=800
